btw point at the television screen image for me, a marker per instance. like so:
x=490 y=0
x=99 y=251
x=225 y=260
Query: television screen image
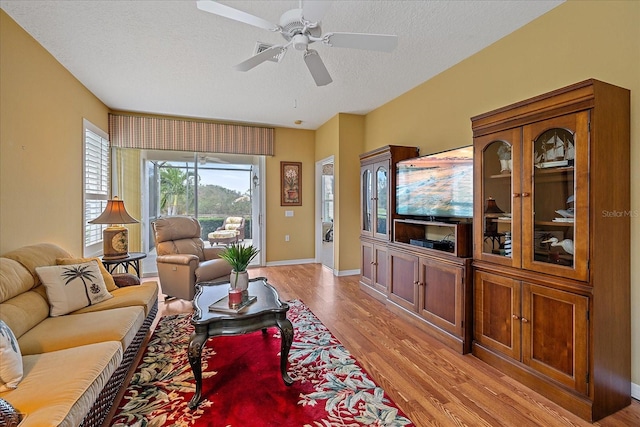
x=436 y=185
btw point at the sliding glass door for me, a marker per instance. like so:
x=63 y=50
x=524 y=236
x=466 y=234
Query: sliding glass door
x=210 y=187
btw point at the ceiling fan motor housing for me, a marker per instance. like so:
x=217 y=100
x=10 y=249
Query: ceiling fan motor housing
x=292 y=25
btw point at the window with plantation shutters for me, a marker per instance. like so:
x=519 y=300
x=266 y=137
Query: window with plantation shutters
x=96 y=185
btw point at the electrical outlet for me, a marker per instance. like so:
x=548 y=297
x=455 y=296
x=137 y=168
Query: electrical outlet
x=286 y=237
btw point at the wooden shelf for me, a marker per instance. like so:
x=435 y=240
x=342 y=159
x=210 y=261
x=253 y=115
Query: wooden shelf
x=459 y=234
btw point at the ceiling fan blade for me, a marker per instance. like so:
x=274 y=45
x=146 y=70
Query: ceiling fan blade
x=381 y=42
x=258 y=59
x=316 y=68
x=314 y=10
x=235 y=14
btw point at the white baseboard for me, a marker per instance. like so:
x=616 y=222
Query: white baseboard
x=635 y=391
x=291 y=262
x=346 y=272
x=312 y=261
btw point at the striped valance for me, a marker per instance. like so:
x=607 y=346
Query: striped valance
x=153 y=133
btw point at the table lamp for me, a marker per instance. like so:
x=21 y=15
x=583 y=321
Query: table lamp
x=115 y=237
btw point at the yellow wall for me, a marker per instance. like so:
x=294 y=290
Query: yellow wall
x=343 y=137
x=576 y=41
x=292 y=145
x=41 y=132
x=328 y=139
x=347 y=195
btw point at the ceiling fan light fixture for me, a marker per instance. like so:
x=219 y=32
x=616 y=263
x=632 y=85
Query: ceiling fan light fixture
x=300 y=42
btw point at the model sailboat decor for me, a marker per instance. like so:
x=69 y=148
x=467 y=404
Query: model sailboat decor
x=554 y=150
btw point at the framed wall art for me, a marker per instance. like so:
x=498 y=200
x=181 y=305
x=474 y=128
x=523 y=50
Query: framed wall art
x=290 y=183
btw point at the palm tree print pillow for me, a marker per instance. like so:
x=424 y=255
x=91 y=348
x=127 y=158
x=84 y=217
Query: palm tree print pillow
x=72 y=287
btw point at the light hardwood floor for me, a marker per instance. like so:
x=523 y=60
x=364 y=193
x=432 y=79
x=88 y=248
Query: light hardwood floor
x=432 y=384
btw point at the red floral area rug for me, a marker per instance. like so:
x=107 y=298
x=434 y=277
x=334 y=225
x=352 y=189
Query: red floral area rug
x=242 y=385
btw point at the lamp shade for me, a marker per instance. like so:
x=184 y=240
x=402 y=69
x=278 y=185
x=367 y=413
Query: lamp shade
x=114 y=213
x=115 y=238
x=492 y=207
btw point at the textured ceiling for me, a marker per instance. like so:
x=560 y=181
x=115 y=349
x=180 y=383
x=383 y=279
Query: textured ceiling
x=168 y=57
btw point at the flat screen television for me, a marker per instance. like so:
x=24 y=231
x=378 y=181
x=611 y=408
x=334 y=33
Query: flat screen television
x=438 y=186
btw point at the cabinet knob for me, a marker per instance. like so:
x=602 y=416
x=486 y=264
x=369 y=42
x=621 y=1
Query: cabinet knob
x=515 y=316
x=526 y=194
x=416 y=283
x=525 y=320
x=515 y=195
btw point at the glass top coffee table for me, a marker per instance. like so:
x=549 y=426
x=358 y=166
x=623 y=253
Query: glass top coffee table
x=265 y=312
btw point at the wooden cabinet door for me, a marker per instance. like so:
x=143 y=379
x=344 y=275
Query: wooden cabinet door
x=403 y=288
x=555 y=196
x=366 y=201
x=497 y=166
x=497 y=313
x=381 y=269
x=555 y=335
x=381 y=194
x=442 y=295
x=366 y=266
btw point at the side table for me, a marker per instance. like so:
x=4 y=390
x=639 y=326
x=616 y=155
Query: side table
x=132 y=260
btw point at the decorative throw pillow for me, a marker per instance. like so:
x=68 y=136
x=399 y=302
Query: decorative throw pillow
x=106 y=276
x=72 y=287
x=10 y=359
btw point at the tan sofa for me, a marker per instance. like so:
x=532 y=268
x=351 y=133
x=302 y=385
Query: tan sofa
x=73 y=364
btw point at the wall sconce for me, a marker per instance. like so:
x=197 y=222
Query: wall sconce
x=255 y=180
x=115 y=238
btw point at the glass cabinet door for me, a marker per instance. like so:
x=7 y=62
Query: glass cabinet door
x=555 y=196
x=381 y=204
x=497 y=162
x=366 y=200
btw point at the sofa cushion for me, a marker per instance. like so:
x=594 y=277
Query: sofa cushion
x=72 y=287
x=106 y=276
x=72 y=330
x=37 y=255
x=14 y=279
x=59 y=387
x=10 y=359
x=24 y=311
x=144 y=295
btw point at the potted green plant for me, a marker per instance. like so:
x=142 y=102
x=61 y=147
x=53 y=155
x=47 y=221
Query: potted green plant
x=239 y=256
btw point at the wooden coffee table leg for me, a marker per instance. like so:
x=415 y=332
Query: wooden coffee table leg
x=286 y=332
x=196 y=343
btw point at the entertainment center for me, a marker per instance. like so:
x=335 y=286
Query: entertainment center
x=539 y=286
x=422 y=265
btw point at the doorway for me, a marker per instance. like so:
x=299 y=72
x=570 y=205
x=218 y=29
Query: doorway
x=325 y=186
x=209 y=187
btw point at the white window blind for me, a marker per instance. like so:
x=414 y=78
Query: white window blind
x=96 y=185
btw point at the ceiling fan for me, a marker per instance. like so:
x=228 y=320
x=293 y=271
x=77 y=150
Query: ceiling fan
x=300 y=28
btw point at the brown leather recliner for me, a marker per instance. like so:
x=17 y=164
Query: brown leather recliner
x=183 y=260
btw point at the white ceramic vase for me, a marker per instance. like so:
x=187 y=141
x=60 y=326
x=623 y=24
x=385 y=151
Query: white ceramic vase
x=240 y=281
